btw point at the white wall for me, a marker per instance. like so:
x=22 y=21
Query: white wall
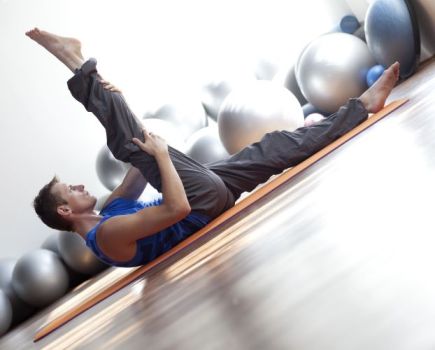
x=144 y=47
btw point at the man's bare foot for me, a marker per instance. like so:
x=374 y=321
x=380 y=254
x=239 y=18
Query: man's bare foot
x=67 y=50
x=374 y=98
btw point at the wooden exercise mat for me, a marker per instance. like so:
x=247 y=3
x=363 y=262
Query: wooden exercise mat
x=215 y=224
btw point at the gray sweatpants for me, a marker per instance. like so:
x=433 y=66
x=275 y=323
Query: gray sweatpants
x=212 y=188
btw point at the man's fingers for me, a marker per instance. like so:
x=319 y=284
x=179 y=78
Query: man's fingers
x=108 y=86
x=137 y=142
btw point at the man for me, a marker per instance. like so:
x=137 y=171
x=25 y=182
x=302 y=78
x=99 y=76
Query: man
x=128 y=232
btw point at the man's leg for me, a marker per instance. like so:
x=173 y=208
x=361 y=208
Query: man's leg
x=280 y=150
x=206 y=192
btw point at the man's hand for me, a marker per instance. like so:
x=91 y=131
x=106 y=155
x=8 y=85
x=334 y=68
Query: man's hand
x=108 y=86
x=154 y=145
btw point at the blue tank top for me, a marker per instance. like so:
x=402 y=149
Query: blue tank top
x=150 y=247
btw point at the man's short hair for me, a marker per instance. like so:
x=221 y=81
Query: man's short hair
x=46 y=204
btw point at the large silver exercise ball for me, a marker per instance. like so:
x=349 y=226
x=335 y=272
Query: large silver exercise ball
x=5 y=313
x=186 y=113
x=52 y=243
x=75 y=253
x=248 y=113
x=39 y=278
x=20 y=309
x=205 y=146
x=110 y=170
x=332 y=69
x=167 y=130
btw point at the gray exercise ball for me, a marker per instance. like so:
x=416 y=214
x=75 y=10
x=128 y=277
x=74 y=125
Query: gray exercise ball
x=110 y=170
x=20 y=309
x=332 y=69
x=186 y=113
x=5 y=313
x=75 y=253
x=213 y=94
x=392 y=34
x=425 y=13
x=205 y=146
x=287 y=78
x=248 y=113
x=39 y=278
x=50 y=243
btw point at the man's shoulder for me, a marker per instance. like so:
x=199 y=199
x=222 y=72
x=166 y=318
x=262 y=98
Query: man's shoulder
x=109 y=238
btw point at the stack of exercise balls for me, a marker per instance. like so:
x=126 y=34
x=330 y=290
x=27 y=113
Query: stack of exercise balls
x=42 y=276
x=228 y=117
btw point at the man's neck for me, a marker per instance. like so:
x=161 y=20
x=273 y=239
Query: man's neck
x=86 y=223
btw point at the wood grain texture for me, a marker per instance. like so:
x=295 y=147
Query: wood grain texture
x=215 y=224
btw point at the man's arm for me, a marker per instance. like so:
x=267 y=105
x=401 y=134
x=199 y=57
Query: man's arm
x=131 y=187
x=123 y=230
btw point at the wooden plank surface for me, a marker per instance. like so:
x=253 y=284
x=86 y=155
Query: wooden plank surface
x=214 y=225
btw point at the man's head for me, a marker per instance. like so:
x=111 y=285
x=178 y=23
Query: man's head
x=58 y=204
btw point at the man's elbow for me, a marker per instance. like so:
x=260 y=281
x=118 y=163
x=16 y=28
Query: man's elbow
x=181 y=210
x=185 y=209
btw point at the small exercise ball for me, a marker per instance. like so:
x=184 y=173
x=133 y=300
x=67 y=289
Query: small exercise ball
x=77 y=255
x=5 y=313
x=167 y=130
x=313 y=118
x=39 y=278
x=374 y=74
x=20 y=309
x=392 y=34
x=205 y=146
x=332 y=69
x=185 y=112
x=110 y=170
x=308 y=109
x=248 y=113
x=349 y=24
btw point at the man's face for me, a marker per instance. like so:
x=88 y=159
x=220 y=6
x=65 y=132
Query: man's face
x=79 y=200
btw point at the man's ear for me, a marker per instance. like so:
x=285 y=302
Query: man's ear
x=64 y=210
